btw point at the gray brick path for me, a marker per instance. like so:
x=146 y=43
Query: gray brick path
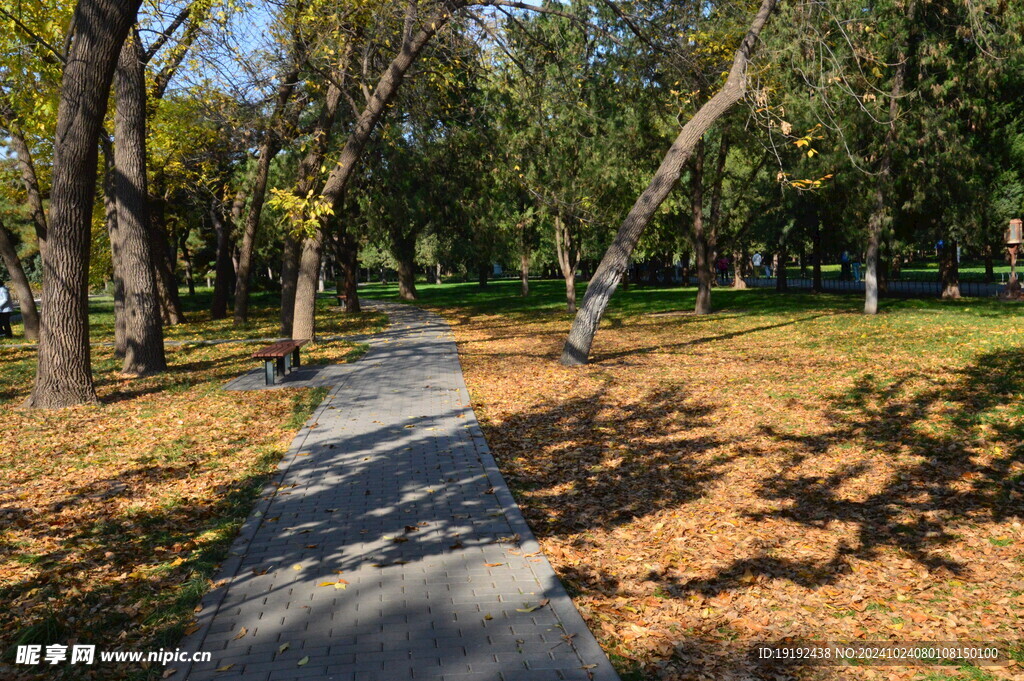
x=389 y=547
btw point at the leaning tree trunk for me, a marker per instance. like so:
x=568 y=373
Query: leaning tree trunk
x=29 y=179
x=224 y=272
x=950 y=272
x=616 y=259
x=144 y=341
x=29 y=314
x=252 y=222
x=64 y=372
x=334 y=189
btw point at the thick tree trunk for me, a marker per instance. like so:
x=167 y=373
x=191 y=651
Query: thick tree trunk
x=305 y=289
x=144 y=341
x=616 y=259
x=406 y=278
x=29 y=314
x=64 y=372
x=337 y=182
x=950 y=272
x=289 y=275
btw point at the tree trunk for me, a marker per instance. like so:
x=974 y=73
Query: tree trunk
x=334 y=189
x=144 y=341
x=781 y=279
x=616 y=259
x=816 y=286
x=30 y=181
x=64 y=372
x=224 y=272
x=406 y=278
x=482 y=272
x=879 y=213
x=305 y=289
x=268 y=150
x=950 y=272
x=110 y=216
x=739 y=260
x=289 y=274
x=568 y=254
x=186 y=255
x=990 y=270
x=350 y=262
x=29 y=314
x=702 y=247
x=524 y=273
x=163 y=262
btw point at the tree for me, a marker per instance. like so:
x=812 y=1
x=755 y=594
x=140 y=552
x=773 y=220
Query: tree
x=64 y=375
x=616 y=259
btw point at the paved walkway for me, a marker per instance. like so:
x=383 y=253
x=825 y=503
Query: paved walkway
x=392 y=548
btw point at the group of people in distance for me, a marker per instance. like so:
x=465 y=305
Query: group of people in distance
x=849 y=268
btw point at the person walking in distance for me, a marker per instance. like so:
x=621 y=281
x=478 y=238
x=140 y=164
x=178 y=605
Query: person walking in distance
x=6 y=310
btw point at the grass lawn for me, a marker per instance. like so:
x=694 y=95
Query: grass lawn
x=785 y=467
x=113 y=517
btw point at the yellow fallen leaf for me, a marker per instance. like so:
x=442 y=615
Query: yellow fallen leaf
x=241 y=632
x=304 y=660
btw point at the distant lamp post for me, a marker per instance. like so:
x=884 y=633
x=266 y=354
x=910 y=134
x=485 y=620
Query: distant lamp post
x=1014 y=237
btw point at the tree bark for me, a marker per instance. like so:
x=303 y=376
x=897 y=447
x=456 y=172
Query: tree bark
x=268 y=149
x=739 y=260
x=781 y=274
x=524 y=273
x=29 y=314
x=224 y=273
x=303 y=323
x=64 y=372
x=990 y=270
x=144 y=341
x=616 y=259
x=406 y=278
x=186 y=255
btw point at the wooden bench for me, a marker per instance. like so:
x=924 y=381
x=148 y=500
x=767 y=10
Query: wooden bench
x=341 y=298
x=279 y=358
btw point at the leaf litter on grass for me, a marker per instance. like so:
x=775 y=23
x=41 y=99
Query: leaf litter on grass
x=705 y=484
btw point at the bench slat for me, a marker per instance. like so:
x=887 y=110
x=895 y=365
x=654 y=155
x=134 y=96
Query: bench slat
x=279 y=349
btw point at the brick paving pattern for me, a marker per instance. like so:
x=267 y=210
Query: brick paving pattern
x=392 y=548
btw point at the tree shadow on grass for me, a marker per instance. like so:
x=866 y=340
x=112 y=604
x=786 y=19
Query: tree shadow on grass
x=940 y=478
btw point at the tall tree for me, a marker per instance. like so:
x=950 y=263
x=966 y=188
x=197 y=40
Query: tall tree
x=64 y=373
x=616 y=259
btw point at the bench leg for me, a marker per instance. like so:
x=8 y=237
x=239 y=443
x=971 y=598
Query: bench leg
x=280 y=366
x=295 y=359
x=268 y=371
